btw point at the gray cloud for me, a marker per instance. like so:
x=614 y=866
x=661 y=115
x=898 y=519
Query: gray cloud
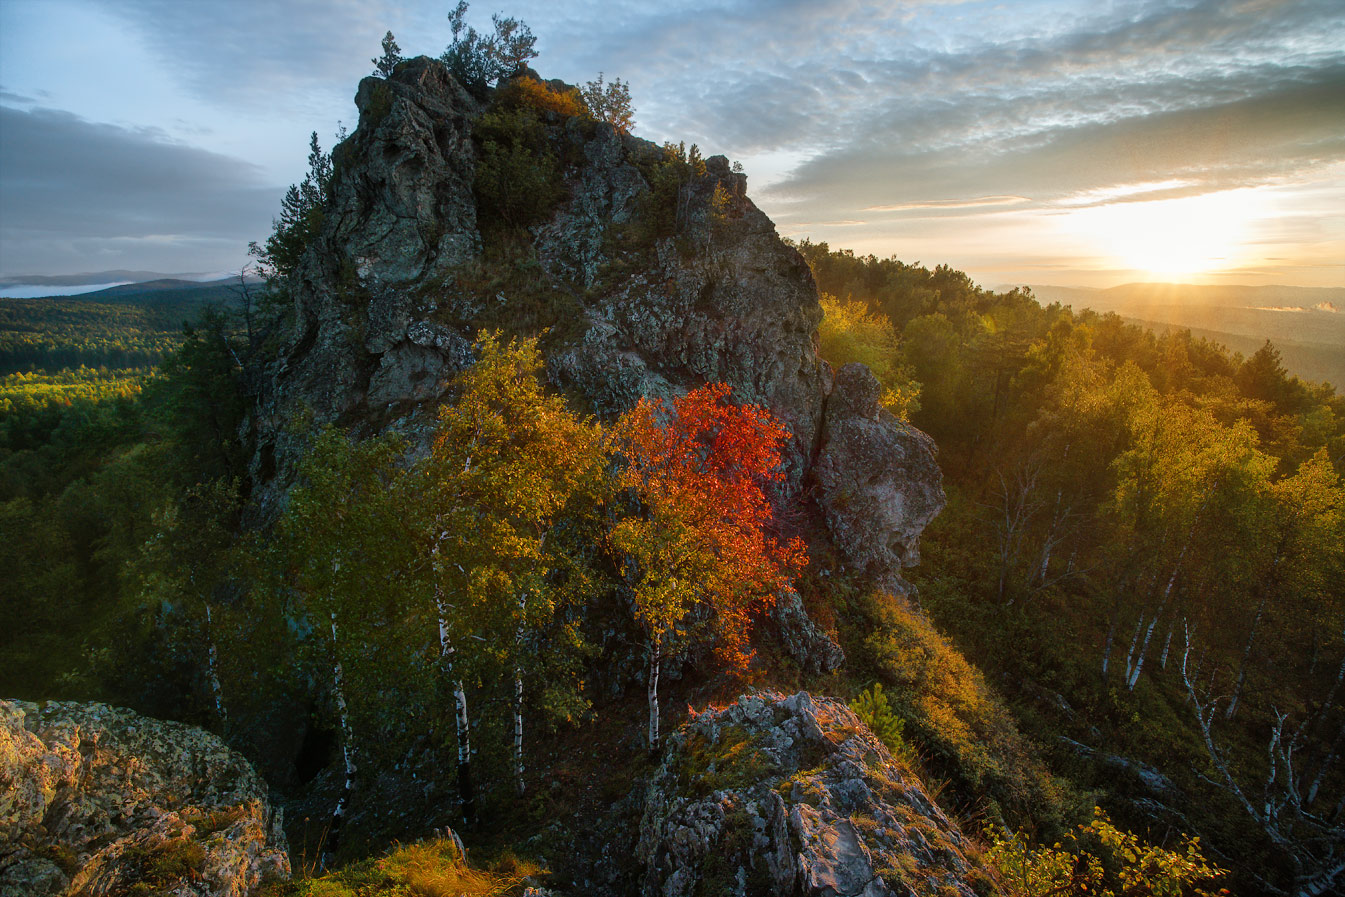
x=242 y=49
x=929 y=108
x=74 y=191
x=1216 y=95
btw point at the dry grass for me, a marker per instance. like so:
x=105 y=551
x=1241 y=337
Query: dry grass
x=431 y=868
x=436 y=869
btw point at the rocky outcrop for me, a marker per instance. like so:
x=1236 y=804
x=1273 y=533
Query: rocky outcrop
x=794 y=795
x=400 y=214
x=99 y=800
x=878 y=481
x=383 y=311
x=740 y=307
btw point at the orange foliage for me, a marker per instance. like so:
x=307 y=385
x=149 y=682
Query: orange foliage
x=699 y=468
x=540 y=96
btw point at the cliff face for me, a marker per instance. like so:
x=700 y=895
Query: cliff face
x=387 y=297
x=99 y=800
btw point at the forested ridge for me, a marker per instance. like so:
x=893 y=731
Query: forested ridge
x=1119 y=671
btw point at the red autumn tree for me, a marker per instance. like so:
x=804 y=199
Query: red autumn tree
x=697 y=470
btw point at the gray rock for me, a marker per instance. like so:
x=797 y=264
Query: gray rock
x=794 y=795
x=809 y=644
x=726 y=300
x=96 y=799
x=878 y=482
x=401 y=216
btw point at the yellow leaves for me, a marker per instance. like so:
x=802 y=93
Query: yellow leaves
x=850 y=332
x=508 y=461
x=1131 y=866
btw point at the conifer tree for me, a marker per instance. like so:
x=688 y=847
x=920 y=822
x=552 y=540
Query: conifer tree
x=392 y=54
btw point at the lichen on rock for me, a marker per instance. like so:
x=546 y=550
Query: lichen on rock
x=794 y=795
x=99 y=800
x=878 y=482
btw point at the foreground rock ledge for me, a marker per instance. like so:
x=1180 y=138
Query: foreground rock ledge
x=794 y=795
x=100 y=800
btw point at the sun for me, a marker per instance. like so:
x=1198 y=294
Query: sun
x=1173 y=237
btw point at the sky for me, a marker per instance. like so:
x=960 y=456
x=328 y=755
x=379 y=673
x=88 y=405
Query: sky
x=1068 y=142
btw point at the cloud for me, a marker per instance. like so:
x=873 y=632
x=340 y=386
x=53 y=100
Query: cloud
x=979 y=202
x=76 y=191
x=241 y=49
x=1199 y=97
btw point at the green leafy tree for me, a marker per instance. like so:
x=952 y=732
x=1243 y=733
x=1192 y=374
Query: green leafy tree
x=510 y=463
x=187 y=564
x=345 y=553
x=850 y=332
x=610 y=102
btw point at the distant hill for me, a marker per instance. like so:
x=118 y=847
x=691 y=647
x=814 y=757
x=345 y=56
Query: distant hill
x=169 y=291
x=34 y=286
x=119 y=275
x=1307 y=324
x=123 y=327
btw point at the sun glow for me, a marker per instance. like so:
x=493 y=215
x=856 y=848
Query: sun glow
x=1173 y=237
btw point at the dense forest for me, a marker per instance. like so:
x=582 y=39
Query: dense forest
x=1129 y=623
x=1158 y=518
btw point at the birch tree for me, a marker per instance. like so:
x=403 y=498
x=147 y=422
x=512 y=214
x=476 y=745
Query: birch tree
x=697 y=535
x=1304 y=541
x=1183 y=468
x=343 y=553
x=508 y=461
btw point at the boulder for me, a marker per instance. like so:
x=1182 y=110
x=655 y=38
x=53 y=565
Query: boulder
x=878 y=482
x=98 y=800
x=794 y=795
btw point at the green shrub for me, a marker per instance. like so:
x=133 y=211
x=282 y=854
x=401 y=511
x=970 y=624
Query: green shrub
x=873 y=710
x=518 y=180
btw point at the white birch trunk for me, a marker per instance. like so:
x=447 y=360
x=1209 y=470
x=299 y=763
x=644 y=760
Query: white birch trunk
x=347 y=751
x=655 y=661
x=1246 y=656
x=1134 y=643
x=212 y=668
x=1162 y=605
x=1144 y=649
x=461 y=722
x=518 y=694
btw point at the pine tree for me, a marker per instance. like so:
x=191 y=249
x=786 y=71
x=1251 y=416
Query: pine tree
x=392 y=54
